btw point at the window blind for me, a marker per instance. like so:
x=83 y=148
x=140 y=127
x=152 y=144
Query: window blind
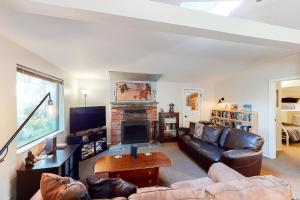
x=38 y=74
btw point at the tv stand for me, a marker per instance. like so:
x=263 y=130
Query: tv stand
x=91 y=142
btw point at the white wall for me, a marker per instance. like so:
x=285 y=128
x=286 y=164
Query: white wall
x=170 y=92
x=167 y=92
x=100 y=96
x=12 y=54
x=252 y=86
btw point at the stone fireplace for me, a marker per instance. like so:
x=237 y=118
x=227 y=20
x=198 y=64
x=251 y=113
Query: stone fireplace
x=131 y=122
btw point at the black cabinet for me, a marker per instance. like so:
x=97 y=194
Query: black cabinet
x=64 y=163
x=91 y=143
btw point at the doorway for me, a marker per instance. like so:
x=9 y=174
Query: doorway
x=191 y=106
x=284 y=115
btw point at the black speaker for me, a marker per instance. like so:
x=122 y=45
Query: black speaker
x=50 y=145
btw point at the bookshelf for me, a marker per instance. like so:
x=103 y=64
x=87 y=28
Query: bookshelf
x=238 y=119
x=168 y=126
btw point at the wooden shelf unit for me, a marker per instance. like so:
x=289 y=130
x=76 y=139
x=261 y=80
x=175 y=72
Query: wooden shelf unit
x=238 y=119
x=168 y=126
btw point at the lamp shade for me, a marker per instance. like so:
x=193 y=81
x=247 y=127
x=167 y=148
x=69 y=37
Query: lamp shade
x=85 y=92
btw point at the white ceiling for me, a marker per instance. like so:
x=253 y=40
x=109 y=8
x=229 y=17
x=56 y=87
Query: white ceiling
x=92 y=49
x=284 y=13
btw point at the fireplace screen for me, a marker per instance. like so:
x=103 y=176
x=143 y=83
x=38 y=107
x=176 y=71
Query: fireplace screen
x=135 y=132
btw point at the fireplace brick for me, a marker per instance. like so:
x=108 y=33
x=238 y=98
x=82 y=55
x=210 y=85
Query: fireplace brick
x=118 y=115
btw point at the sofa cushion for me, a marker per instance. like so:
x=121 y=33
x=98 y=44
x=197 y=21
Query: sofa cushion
x=268 y=187
x=194 y=184
x=194 y=143
x=239 y=139
x=162 y=193
x=206 y=150
x=210 y=152
x=185 y=138
x=198 y=130
x=223 y=136
x=192 y=128
x=211 y=135
x=62 y=188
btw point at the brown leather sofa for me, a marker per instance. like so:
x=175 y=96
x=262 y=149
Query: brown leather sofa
x=236 y=148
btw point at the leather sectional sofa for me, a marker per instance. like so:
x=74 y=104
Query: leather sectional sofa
x=236 y=148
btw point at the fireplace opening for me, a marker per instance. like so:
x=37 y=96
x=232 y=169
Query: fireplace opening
x=135 y=132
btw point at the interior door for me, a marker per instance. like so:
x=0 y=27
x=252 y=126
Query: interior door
x=278 y=119
x=191 y=106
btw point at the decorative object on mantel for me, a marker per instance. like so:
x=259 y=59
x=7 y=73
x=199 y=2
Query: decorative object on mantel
x=50 y=111
x=30 y=159
x=171 y=109
x=161 y=110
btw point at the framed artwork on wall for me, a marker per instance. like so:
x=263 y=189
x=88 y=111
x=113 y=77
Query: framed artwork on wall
x=191 y=105
x=133 y=91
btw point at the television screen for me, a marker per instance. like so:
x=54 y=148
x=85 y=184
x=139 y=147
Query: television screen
x=85 y=118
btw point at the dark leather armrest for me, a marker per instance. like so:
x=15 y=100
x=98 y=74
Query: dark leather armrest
x=245 y=161
x=240 y=153
x=183 y=131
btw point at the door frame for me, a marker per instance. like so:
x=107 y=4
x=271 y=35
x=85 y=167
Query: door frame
x=272 y=114
x=200 y=90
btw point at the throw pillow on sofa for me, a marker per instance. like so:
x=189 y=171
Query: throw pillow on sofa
x=191 y=129
x=62 y=188
x=109 y=188
x=211 y=135
x=198 y=130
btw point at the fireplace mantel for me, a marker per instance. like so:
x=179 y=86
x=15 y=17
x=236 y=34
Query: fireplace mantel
x=146 y=103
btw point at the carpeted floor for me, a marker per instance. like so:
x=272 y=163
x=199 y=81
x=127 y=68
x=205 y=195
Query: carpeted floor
x=182 y=168
x=286 y=166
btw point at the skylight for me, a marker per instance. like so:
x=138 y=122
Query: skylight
x=224 y=7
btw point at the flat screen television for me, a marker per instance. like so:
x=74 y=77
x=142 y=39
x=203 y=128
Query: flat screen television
x=85 y=118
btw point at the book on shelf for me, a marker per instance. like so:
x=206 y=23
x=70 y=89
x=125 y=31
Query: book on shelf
x=239 y=119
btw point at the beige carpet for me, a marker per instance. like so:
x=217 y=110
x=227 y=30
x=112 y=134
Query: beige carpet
x=286 y=166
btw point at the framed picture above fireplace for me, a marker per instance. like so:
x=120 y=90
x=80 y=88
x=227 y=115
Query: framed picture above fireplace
x=133 y=91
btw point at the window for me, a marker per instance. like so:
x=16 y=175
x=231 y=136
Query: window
x=32 y=87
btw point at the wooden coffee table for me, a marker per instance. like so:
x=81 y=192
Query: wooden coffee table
x=143 y=171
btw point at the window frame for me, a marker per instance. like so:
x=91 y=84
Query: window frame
x=60 y=105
